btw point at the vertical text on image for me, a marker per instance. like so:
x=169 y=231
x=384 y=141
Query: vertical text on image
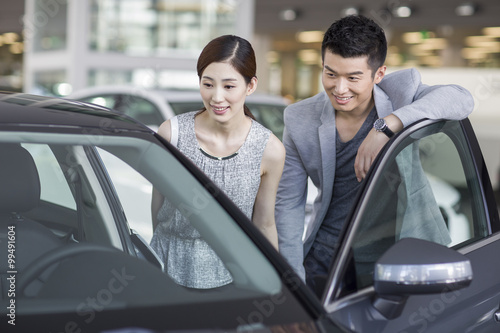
x=11 y=279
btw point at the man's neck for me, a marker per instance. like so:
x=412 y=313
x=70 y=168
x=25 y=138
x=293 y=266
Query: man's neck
x=349 y=123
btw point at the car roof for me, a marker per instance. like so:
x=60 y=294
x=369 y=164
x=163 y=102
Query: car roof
x=21 y=109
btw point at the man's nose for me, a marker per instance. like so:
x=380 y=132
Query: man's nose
x=341 y=86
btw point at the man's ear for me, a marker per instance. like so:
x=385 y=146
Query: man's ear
x=379 y=75
x=252 y=85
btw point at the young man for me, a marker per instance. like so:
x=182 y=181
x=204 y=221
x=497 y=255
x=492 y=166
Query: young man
x=334 y=137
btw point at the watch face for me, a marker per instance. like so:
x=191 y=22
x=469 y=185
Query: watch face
x=379 y=124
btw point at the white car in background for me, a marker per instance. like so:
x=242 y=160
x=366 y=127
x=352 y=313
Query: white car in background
x=153 y=106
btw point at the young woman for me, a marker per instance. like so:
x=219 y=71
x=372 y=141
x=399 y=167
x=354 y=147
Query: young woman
x=241 y=156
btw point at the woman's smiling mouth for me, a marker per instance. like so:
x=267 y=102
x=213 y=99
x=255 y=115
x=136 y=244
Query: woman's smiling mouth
x=220 y=110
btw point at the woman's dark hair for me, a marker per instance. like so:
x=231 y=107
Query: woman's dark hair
x=234 y=50
x=356 y=36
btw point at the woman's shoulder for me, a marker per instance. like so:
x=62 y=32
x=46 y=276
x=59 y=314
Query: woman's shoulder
x=186 y=115
x=165 y=130
x=274 y=152
x=258 y=127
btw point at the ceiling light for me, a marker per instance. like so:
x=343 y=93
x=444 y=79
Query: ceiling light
x=417 y=37
x=309 y=56
x=289 y=14
x=350 y=11
x=10 y=37
x=466 y=9
x=492 y=31
x=412 y=37
x=401 y=11
x=470 y=53
x=435 y=44
x=16 y=48
x=478 y=40
x=310 y=36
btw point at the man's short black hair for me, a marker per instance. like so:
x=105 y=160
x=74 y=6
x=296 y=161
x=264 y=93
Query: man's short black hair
x=356 y=36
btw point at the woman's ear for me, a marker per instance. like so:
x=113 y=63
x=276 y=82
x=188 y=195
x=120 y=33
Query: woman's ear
x=252 y=85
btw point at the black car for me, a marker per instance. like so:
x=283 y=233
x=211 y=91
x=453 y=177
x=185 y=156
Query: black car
x=74 y=175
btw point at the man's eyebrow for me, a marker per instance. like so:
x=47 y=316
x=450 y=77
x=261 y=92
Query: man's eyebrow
x=352 y=73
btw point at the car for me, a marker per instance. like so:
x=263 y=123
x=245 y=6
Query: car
x=71 y=262
x=153 y=106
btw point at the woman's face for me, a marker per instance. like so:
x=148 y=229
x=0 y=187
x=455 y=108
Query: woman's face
x=223 y=90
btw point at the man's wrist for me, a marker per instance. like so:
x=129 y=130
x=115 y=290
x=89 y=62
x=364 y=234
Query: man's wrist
x=380 y=125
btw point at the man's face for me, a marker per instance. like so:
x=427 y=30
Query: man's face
x=349 y=82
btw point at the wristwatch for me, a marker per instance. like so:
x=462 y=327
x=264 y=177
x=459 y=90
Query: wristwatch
x=381 y=126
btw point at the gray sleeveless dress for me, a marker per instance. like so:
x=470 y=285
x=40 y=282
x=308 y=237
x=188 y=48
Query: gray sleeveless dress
x=188 y=259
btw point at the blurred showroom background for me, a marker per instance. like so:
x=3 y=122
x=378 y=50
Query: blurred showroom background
x=55 y=47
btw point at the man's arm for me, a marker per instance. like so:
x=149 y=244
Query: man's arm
x=437 y=102
x=412 y=101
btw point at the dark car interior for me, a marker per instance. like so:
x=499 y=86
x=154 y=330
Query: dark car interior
x=20 y=194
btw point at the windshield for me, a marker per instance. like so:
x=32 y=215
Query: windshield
x=75 y=237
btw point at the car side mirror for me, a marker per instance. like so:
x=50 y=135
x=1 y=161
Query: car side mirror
x=415 y=266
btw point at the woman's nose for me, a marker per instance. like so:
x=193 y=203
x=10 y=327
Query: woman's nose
x=217 y=95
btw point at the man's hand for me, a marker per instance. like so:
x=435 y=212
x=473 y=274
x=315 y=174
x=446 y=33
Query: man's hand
x=372 y=145
x=367 y=152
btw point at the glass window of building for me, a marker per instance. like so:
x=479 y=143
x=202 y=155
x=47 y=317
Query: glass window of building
x=48 y=25
x=157 y=27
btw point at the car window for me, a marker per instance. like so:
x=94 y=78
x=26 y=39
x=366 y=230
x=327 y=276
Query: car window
x=134 y=192
x=188 y=208
x=428 y=189
x=71 y=204
x=183 y=107
x=108 y=101
x=91 y=218
x=54 y=187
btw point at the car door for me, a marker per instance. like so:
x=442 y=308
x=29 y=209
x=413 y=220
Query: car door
x=429 y=183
